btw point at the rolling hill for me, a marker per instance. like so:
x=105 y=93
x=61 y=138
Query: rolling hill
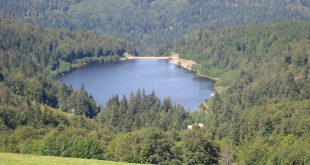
x=260 y=114
x=149 y=23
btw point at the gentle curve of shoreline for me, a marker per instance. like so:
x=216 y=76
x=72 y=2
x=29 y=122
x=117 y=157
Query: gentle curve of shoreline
x=175 y=59
x=147 y=58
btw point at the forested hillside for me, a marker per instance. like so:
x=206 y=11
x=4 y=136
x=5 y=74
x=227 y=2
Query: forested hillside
x=31 y=56
x=260 y=114
x=150 y=22
x=33 y=48
x=31 y=128
x=265 y=61
x=262 y=103
x=41 y=116
x=143 y=110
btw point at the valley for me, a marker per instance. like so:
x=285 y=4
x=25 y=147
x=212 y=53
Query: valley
x=121 y=81
x=148 y=73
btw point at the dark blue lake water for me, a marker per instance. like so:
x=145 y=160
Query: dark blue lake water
x=121 y=77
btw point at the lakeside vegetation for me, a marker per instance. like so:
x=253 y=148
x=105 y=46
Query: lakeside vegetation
x=260 y=116
x=264 y=81
x=30 y=128
x=35 y=49
x=246 y=52
x=35 y=109
x=143 y=110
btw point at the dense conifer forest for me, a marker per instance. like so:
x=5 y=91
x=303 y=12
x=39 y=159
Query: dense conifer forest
x=259 y=115
x=39 y=115
x=263 y=89
x=148 y=23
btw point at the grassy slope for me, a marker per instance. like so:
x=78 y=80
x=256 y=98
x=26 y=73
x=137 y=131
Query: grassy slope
x=17 y=159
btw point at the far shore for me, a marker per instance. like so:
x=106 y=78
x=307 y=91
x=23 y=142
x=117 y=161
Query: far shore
x=147 y=58
x=175 y=59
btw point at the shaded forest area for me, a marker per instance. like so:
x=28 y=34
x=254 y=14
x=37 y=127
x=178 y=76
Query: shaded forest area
x=31 y=56
x=148 y=23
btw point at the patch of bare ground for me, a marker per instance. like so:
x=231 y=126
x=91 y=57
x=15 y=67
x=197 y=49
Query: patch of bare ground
x=188 y=64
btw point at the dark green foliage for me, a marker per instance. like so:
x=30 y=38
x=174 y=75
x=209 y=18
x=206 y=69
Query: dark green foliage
x=83 y=104
x=259 y=116
x=143 y=110
x=149 y=22
x=197 y=149
x=41 y=130
x=33 y=49
x=28 y=124
x=1 y=77
x=285 y=118
x=263 y=95
x=258 y=64
x=31 y=55
x=47 y=91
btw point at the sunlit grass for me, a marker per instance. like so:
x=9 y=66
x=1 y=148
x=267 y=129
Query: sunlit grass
x=21 y=159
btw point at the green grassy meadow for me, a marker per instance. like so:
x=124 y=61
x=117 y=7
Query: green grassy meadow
x=21 y=159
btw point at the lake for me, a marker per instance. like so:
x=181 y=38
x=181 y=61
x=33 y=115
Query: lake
x=121 y=77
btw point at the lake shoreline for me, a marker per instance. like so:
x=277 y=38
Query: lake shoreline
x=188 y=64
x=75 y=66
x=123 y=77
x=183 y=63
x=147 y=58
x=175 y=59
x=196 y=72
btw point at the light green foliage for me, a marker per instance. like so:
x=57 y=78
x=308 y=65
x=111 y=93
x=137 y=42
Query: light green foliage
x=49 y=132
x=275 y=150
x=17 y=159
x=61 y=134
x=152 y=145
